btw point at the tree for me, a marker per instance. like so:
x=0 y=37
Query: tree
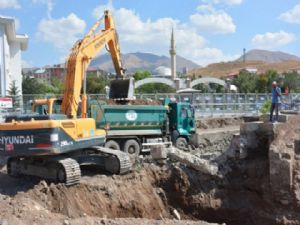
x=272 y=75
x=262 y=84
x=246 y=82
x=96 y=85
x=155 y=88
x=150 y=88
x=13 y=89
x=14 y=93
x=292 y=81
x=32 y=86
x=57 y=86
x=139 y=75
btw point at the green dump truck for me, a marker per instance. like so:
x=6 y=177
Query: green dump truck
x=130 y=127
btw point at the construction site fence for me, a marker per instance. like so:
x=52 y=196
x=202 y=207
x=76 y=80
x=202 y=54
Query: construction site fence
x=205 y=104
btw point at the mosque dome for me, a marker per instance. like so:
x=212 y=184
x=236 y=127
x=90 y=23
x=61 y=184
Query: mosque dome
x=162 y=71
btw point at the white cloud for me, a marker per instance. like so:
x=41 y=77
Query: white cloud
x=99 y=10
x=48 y=3
x=17 y=24
x=5 y=4
x=234 y=2
x=62 y=32
x=153 y=36
x=212 y=21
x=205 y=56
x=27 y=64
x=292 y=15
x=272 y=40
x=228 y=2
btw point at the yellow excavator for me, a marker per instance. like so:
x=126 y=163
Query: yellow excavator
x=53 y=145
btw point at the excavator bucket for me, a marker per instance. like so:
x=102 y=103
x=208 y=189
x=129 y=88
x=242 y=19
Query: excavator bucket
x=122 y=89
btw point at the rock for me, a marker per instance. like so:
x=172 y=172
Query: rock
x=66 y=222
x=176 y=214
x=4 y=222
x=193 y=161
x=284 y=202
x=290 y=145
x=158 y=152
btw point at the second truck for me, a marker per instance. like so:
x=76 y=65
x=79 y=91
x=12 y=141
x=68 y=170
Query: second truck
x=132 y=127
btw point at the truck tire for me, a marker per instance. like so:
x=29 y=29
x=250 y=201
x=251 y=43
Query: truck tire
x=112 y=145
x=181 y=143
x=132 y=147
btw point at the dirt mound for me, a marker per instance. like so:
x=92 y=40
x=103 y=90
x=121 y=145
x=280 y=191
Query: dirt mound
x=135 y=195
x=132 y=102
x=104 y=196
x=211 y=123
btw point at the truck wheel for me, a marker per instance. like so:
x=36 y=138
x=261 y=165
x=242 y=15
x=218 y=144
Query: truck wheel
x=112 y=145
x=132 y=147
x=181 y=143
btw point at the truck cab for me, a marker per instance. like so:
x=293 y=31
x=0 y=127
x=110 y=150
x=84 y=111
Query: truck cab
x=182 y=123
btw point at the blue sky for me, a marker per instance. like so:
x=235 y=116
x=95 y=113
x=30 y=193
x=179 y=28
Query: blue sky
x=206 y=31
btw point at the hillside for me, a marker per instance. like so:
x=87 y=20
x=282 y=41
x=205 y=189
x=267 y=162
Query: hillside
x=268 y=56
x=223 y=69
x=144 y=61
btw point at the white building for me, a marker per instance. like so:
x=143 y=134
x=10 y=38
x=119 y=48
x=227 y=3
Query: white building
x=11 y=45
x=162 y=71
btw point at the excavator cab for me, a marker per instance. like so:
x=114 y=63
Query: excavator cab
x=122 y=89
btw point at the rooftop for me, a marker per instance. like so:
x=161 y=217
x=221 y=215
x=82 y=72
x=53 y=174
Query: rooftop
x=10 y=29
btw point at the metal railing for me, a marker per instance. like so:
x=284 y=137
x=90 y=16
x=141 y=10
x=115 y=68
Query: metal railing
x=205 y=104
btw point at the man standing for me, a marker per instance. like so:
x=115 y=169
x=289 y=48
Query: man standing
x=276 y=94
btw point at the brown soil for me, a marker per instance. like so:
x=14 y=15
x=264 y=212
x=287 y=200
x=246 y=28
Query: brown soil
x=239 y=195
x=136 y=195
x=132 y=102
x=211 y=123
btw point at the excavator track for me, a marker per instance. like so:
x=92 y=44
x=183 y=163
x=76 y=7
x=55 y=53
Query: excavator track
x=69 y=172
x=61 y=170
x=117 y=162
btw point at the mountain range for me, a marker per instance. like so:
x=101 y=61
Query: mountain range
x=268 y=56
x=142 y=61
x=262 y=60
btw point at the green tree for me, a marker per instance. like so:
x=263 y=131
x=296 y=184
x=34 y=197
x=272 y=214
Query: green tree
x=150 y=88
x=14 y=93
x=155 y=88
x=13 y=89
x=57 y=85
x=96 y=85
x=292 y=81
x=204 y=88
x=272 y=75
x=139 y=75
x=262 y=84
x=32 y=86
x=246 y=82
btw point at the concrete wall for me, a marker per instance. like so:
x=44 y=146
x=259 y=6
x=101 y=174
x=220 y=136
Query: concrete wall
x=15 y=66
x=2 y=60
x=10 y=63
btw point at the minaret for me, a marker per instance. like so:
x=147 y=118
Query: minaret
x=173 y=56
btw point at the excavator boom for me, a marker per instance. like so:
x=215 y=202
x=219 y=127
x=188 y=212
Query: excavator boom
x=80 y=57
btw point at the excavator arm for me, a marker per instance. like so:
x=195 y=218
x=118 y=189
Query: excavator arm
x=80 y=57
